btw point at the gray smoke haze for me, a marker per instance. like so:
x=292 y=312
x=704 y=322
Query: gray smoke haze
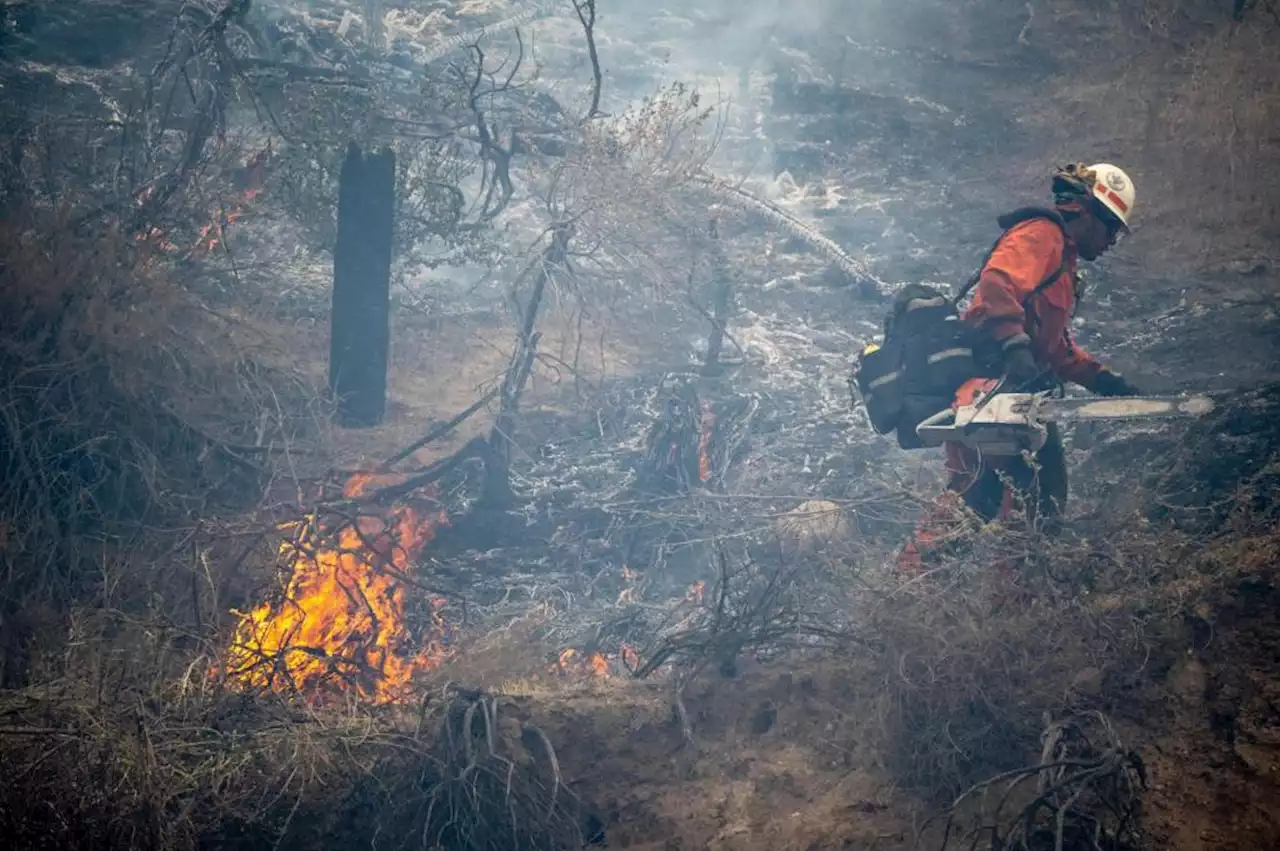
x=838 y=112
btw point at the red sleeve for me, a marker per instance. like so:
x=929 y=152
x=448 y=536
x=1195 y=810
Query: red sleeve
x=1024 y=257
x=1074 y=364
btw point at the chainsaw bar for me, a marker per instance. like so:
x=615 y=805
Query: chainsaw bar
x=1006 y=424
x=1123 y=408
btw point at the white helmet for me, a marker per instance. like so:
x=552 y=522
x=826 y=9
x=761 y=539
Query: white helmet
x=1113 y=188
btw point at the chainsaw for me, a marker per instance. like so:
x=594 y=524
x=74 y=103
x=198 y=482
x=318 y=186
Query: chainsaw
x=1008 y=424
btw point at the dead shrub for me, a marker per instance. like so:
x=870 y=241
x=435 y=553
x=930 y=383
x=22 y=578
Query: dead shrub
x=972 y=656
x=1083 y=793
x=960 y=685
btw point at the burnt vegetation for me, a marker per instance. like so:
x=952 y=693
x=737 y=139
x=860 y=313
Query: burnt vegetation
x=551 y=578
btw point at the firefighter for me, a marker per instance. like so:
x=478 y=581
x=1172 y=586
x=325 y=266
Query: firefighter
x=1021 y=312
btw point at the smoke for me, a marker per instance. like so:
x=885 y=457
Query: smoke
x=830 y=167
x=720 y=35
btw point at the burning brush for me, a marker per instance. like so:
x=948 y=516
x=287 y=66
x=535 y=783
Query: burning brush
x=678 y=449
x=695 y=438
x=572 y=663
x=595 y=665
x=248 y=181
x=340 y=626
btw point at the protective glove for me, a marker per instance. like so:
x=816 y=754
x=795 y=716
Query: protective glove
x=1020 y=365
x=1110 y=383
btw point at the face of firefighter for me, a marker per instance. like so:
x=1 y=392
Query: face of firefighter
x=1094 y=234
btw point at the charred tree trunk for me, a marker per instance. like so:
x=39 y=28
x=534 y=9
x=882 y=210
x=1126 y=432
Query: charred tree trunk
x=497 y=487
x=360 y=324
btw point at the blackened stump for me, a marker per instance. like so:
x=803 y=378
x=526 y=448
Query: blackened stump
x=360 y=323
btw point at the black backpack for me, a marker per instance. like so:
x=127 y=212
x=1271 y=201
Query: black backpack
x=928 y=351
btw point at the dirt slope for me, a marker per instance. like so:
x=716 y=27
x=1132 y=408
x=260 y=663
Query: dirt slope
x=1211 y=729
x=767 y=771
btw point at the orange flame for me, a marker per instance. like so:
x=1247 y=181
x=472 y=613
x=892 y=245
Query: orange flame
x=212 y=235
x=629 y=594
x=215 y=233
x=571 y=663
x=155 y=238
x=341 y=627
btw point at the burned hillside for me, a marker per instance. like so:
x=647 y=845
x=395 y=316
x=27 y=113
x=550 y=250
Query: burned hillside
x=610 y=561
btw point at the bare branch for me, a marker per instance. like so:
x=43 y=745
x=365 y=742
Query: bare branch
x=586 y=10
x=492 y=153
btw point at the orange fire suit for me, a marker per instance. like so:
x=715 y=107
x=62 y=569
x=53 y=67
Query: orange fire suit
x=1006 y=311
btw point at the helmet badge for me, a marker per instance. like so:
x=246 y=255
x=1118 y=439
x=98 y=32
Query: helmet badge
x=1116 y=181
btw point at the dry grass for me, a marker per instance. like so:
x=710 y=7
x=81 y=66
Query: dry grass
x=970 y=665
x=1082 y=793
x=192 y=768
x=125 y=424
x=973 y=662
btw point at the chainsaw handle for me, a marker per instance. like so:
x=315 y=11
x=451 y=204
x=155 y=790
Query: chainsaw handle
x=937 y=428
x=937 y=419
